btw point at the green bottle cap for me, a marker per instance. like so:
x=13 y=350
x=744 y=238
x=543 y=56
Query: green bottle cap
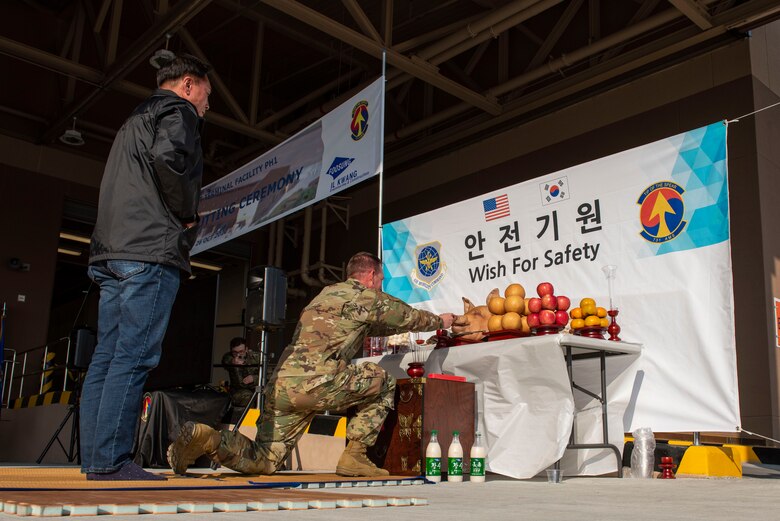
x=456 y=433
x=434 y=431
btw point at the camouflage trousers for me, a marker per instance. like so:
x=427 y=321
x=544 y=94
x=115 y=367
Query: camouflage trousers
x=292 y=402
x=241 y=397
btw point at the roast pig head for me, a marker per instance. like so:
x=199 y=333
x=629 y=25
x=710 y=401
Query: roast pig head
x=473 y=323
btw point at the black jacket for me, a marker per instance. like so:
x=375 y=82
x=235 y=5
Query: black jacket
x=151 y=185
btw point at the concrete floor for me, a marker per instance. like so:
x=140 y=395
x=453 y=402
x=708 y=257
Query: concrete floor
x=575 y=499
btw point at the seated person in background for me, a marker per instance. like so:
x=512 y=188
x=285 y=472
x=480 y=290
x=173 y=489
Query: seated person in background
x=242 y=366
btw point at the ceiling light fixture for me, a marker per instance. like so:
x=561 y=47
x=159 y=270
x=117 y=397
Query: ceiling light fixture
x=66 y=251
x=73 y=237
x=205 y=266
x=162 y=57
x=72 y=136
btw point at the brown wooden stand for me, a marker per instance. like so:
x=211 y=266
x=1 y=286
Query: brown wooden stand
x=424 y=404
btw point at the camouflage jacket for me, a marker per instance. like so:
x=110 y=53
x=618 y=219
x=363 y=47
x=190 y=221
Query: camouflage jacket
x=332 y=327
x=238 y=373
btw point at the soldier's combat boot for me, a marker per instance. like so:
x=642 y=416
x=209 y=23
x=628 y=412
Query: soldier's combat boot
x=194 y=440
x=354 y=462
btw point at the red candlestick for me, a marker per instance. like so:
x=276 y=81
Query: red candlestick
x=415 y=369
x=614 y=328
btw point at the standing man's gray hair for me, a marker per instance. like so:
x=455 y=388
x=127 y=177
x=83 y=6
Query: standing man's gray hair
x=363 y=262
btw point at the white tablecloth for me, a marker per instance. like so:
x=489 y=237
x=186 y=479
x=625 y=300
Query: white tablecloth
x=525 y=406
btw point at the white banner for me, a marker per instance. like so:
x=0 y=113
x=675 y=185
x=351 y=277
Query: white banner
x=658 y=212
x=339 y=150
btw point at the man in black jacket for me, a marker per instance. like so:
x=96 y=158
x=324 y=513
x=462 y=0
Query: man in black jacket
x=146 y=226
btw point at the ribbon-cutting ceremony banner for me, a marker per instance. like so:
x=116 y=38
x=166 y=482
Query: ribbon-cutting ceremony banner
x=339 y=150
x=659 y=213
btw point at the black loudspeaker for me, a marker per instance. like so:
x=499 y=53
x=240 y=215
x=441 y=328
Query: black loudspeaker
x=83 y=342
x=266 y=298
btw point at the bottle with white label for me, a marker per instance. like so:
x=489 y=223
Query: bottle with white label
x=455 y=459
x=478 y=454
x=433 y=458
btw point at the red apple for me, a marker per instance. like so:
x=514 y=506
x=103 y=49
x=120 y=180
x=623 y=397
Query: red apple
x=550 y=302
x=547 y=317
x=534 y=305
x=563 y=303
x=545 y=288
x=561 y=317
x=533 y=320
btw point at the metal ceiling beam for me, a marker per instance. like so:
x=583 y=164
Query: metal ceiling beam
x=643 y=12
x=695 y=12
x=257 y=60
x=294 y=34
x=414 y=66
x=388 y=23
x=138 y=51
x=95 y=77
x=75 y=55
x=214 y=77
x=471 y=30
x=362 y=20
x=490 y=32
x=555 y=34
x=554 y=66
x=101 y=16
x=113 y=32
x=538 y=100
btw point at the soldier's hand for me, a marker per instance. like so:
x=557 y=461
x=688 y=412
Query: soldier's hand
x=447 y=319
x=248 y=379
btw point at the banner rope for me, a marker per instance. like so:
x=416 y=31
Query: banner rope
x=736 y=120
x=759 y=435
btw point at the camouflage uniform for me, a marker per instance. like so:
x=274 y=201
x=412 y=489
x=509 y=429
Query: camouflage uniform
x=240 y=393
x=316 y=375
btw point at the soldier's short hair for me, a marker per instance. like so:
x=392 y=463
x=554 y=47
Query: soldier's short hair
x=363 y=262
x=237 y=341
x=181 y=66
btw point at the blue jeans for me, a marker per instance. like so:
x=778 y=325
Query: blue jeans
x=135 y=304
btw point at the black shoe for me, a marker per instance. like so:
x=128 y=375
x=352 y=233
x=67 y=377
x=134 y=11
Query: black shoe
x=130 y=472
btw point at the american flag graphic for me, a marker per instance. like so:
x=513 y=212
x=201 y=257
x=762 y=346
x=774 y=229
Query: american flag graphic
x=496 y=207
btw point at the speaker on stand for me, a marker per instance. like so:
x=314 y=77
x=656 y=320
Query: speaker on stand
x=266 y=305
x=81 y=345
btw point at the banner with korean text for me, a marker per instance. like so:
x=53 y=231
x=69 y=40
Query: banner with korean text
x=337 y=151
x=659 y=213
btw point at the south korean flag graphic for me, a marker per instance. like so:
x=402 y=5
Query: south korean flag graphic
x=554 y=190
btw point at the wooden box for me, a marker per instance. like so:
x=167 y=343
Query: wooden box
x=422 y=405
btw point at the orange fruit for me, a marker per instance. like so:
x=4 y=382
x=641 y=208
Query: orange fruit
x=593 y=321
x=514 y=290
x=576 y=313
x=589 y=309
x=604 y=322
x=601 y=312
x=514 y=303
x=584 y=302
x=494 y=322
x=496 y=305
x=577 y=323
x=524 y=324
x=511 y=321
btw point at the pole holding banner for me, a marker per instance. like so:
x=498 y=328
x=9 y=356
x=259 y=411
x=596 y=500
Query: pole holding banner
x=381 y=154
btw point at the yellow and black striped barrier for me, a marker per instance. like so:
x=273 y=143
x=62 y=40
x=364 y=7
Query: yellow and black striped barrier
x=35 y=400
x=322 y=424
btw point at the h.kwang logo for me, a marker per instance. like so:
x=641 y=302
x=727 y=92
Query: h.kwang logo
x=661 y=210
x=339 y=165
x=430 y=268
x=341 y=173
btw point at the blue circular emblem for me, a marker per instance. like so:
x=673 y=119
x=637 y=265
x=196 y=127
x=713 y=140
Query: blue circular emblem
x=428 y=261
